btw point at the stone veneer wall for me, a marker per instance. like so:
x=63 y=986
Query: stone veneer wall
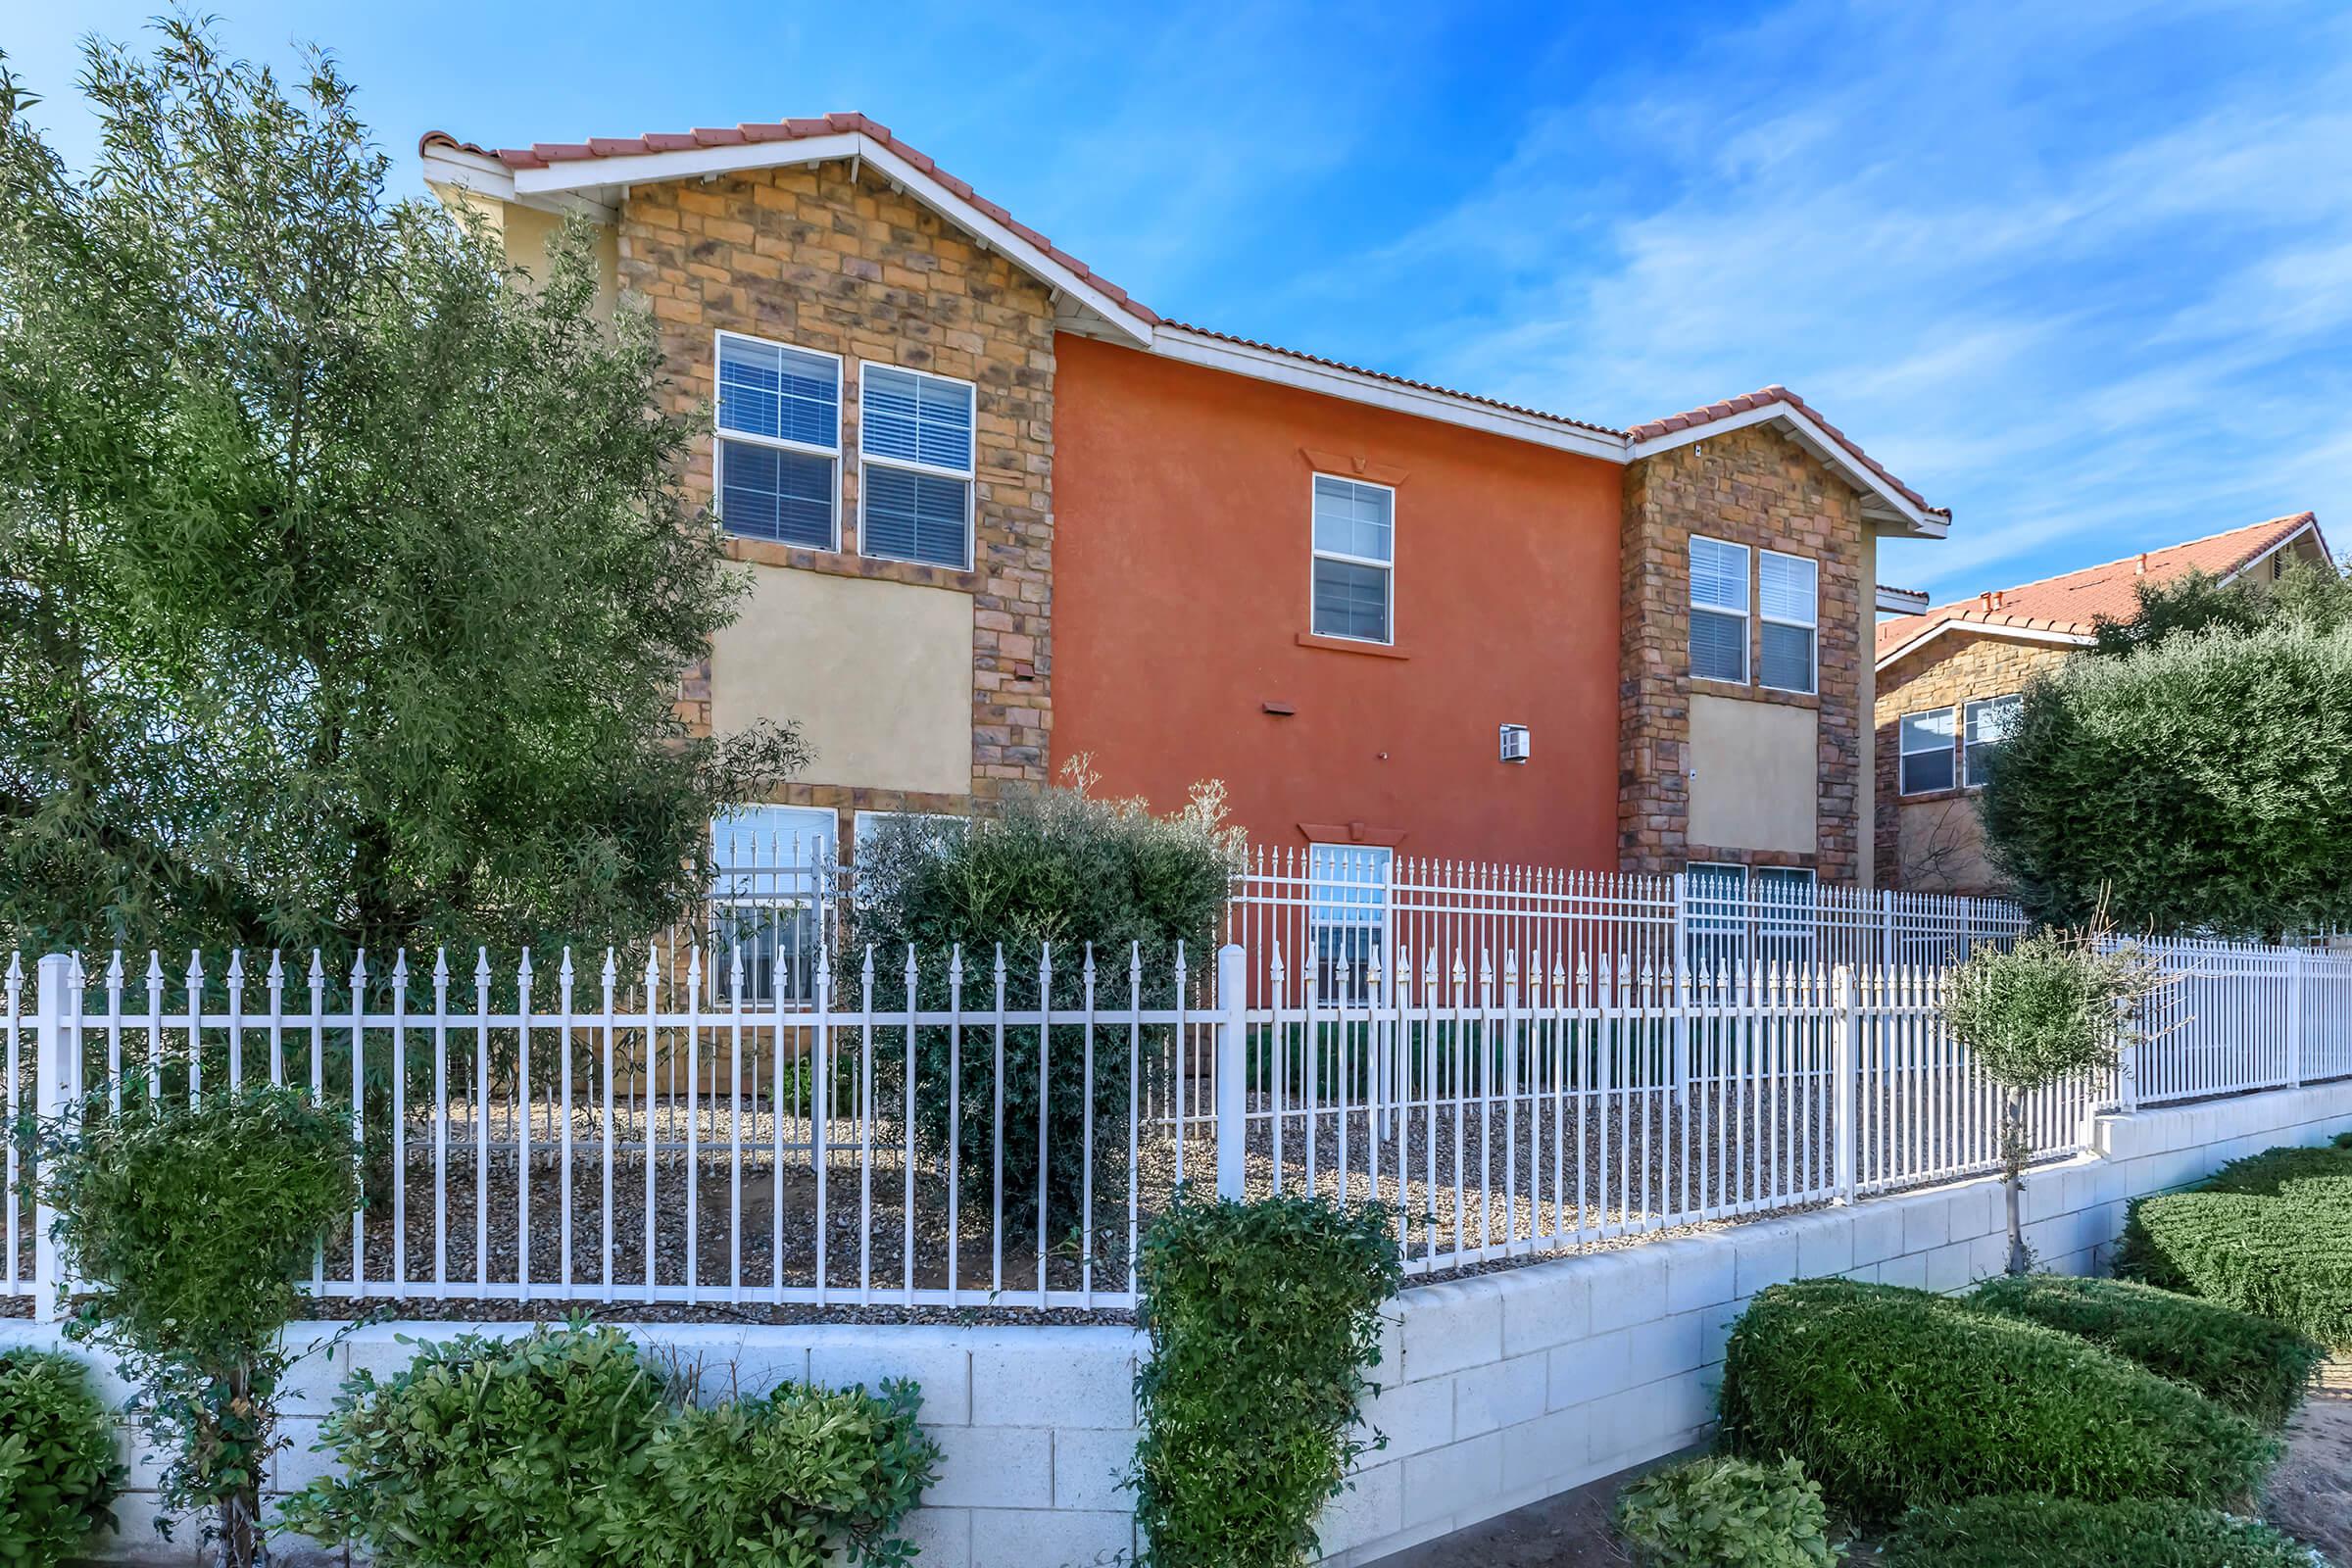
x=1957 y=668
x=817 y=257
x=1755 y=487
x=1495 y=1390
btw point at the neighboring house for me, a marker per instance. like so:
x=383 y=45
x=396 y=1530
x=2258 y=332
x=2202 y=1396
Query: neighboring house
x=1949 y=680
x=999 y=515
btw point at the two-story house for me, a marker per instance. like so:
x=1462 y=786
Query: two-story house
x=1949 y=679
x=999 y=515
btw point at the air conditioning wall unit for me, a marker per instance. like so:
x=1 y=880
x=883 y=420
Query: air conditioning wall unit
x=1515 y=743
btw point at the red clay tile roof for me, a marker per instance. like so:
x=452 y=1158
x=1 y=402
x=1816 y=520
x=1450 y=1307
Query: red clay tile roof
x=2071 y=604
x=1400 y=380
x=1693 y=418
x=540 y=155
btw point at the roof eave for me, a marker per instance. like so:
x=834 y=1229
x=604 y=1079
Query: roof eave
x=1888 y=510
x=604 y=178
x=2024 y=634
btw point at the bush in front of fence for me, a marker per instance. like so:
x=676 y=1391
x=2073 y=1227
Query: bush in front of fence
x=1057 y=867
x=567 y=1446
x=190 y=1224
x=1892 y=1397
x=2252 y=1365
x=1721 y=1509
x=2271 y=1235
x=1263 y=1317
x=58 y=1472
x=2004 y=1532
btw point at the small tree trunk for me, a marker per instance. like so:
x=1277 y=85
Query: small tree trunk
x=2015 y=1150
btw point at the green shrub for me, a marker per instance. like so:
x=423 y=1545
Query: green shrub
x=58 y=1472
x=2270 y=1235
x=483 y=1450
x=2254 y=1366
x=1262 y=1318
x=1891 y=1397
x=565 y=1447
x=192 y=1224
x=1725 y=1510
x=1059 y=867
x=776 y=1483
x=2067 y=1533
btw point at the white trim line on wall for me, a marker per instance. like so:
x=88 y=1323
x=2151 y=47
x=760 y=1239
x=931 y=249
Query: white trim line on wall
x=2022 y=634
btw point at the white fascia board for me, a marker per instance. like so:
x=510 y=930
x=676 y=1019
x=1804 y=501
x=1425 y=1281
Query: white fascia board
x=1902 y=601
x=488 y=177
x=2312 y=528
x=1263 y=365
x=639 y=169
x=2018 y=634
x=1891 y=505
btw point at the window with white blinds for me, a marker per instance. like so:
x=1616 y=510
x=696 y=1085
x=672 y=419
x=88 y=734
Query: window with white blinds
x=1354 y=549
x=915 y=442
x=1927 y=746
x=1718 y=610
x=778 y=439
x=1788 y=606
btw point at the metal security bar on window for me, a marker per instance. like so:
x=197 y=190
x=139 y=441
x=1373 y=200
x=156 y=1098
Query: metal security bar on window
x=1354 y=549
x=778 y=421
x=1718 y=610
x=916 y=435
x=1349 y=916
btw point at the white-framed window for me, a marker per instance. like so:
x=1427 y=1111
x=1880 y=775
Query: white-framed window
x=1348 y=915
x=1354 y=560
x=1785 y=913
x=1925 y=750
x=774 y=460
x=1987 y=725
x=916 y=465
x=1789 y=612
x=769 y=901
x=1718 y=896
x=1718 y=610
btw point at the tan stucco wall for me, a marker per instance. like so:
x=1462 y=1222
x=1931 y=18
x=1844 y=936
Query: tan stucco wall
x=524 y=232
x=1942 y=844
x=878 y=674
x=1754 y=774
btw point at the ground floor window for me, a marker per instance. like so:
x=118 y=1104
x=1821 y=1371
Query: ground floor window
x=771 y=896
x=1348 y=902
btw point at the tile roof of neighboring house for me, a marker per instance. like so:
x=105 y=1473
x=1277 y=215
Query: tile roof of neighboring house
x=2069 y=604
x=543 y=155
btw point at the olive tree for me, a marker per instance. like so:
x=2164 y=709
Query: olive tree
x=2031 y=1015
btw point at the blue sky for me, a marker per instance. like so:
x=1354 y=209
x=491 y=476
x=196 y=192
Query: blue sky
x=2082 y=272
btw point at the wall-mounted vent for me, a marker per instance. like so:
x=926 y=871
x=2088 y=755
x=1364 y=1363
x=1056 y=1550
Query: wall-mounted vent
x=1515 y=743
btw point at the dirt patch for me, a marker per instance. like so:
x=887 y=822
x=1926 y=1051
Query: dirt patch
x=2310 y=1492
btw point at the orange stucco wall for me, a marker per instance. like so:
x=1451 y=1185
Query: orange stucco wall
x=1181 y=581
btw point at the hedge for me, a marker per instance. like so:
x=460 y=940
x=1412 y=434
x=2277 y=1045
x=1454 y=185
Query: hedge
x=2065 y=1532
x=2270 y=1235
x=1891 y=1397
x=58 y=1471
x=2255 y=1366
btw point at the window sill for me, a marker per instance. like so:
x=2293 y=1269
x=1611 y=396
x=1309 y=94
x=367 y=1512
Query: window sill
x=1350 y=645
x=1930 y=796
x=848 y=564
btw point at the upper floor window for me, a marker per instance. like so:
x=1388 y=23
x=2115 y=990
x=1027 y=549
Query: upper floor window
x=1927 y=751
x=914 y=437
x=1718 y=610
x=1988 y=724
x=1354 y=560
x=778 y=418
x=1788 y=601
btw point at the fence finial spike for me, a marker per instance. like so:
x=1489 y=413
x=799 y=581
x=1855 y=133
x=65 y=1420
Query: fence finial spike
x=956 y=964
x=16 y=968
x=563 y=970
x=482 y=966
x=522 y=969
x=1135 y=957
x=277 y=970
x=612 y=966
x=113 y=968
x=910 y=963
x=359 y=971
x=999 y=963
x=440 y=965
x=399 y=968
x=237 y=967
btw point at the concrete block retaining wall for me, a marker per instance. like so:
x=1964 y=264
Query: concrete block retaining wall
x=1496 y=1391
